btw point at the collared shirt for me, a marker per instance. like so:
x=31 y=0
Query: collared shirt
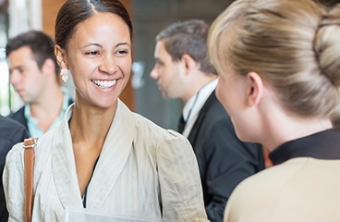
x=195 y=103
x=32 y=123
x=321 y=145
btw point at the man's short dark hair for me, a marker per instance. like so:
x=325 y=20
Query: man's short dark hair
x=41 y=45
x=188 y=37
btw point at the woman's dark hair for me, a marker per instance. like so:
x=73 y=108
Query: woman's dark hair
x=73 y=12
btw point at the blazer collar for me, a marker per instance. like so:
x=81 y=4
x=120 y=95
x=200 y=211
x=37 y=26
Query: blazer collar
x=63 y=165
x=114 y=154
x=201 y=116
x=322 y=145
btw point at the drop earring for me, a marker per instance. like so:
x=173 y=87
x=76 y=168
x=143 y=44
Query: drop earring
x=64 y=74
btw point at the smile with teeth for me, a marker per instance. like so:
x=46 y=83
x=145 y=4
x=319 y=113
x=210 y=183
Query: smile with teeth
x=104 y=83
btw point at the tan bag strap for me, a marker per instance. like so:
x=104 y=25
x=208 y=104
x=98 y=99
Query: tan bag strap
x=29 y=145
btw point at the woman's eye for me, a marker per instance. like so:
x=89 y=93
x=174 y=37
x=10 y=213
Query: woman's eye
x=123 y=51
x=92 y=53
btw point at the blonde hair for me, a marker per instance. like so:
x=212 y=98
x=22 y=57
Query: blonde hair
x=292 y=44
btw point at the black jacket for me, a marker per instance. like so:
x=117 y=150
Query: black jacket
x=224 y=161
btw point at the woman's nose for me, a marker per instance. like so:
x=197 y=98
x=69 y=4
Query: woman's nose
x=108 y=65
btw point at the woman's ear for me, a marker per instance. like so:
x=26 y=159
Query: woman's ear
x=256 y=88
x=60 y=56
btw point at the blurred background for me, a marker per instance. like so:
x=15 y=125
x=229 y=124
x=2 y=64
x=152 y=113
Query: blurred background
x=148 y=17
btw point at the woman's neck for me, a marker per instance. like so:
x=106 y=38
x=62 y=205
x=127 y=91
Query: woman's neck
x=90 y=125
x=287 y=129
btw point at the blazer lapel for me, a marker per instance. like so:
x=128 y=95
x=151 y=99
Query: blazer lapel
x=63 y=164
x=115 y=153
x=197 y=125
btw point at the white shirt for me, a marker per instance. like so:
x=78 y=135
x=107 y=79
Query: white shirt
x=194 y=105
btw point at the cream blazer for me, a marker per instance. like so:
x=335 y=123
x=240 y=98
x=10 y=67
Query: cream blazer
x=301 y=189
x=143 y=170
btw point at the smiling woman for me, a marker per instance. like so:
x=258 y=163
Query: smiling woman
x=100 y=66
x=103 y=156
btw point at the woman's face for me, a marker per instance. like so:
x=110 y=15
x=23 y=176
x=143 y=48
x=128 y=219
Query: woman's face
x=231 y=91
x=99 y=59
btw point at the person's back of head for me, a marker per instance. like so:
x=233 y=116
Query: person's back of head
x=188 y=37
x=292 y=45
x=40 y=44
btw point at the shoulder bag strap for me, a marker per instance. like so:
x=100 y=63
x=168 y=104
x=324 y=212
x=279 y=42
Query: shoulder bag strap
x=29 y=145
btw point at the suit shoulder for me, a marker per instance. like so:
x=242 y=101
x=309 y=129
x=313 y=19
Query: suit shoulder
x=214 y=118
x=216 y=131
x=214 y=115
x=20 y=112
x=10 y=128
x=19 y=115
x=8 y=123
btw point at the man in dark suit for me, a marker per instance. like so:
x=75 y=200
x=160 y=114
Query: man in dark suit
x=183 y=70
x=34 y=76
x=11 y=132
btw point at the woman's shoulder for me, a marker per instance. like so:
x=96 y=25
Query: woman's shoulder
x=273 y=177
x=18 y=149
x=264 y=187
x=156 y=136
x=16 y=155
x=146 y=126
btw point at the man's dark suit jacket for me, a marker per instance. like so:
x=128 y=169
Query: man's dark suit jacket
x=20 y=115
x=11 y=132
x=224 y=161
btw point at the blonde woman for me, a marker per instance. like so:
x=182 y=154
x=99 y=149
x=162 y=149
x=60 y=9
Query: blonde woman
x=279 y=67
